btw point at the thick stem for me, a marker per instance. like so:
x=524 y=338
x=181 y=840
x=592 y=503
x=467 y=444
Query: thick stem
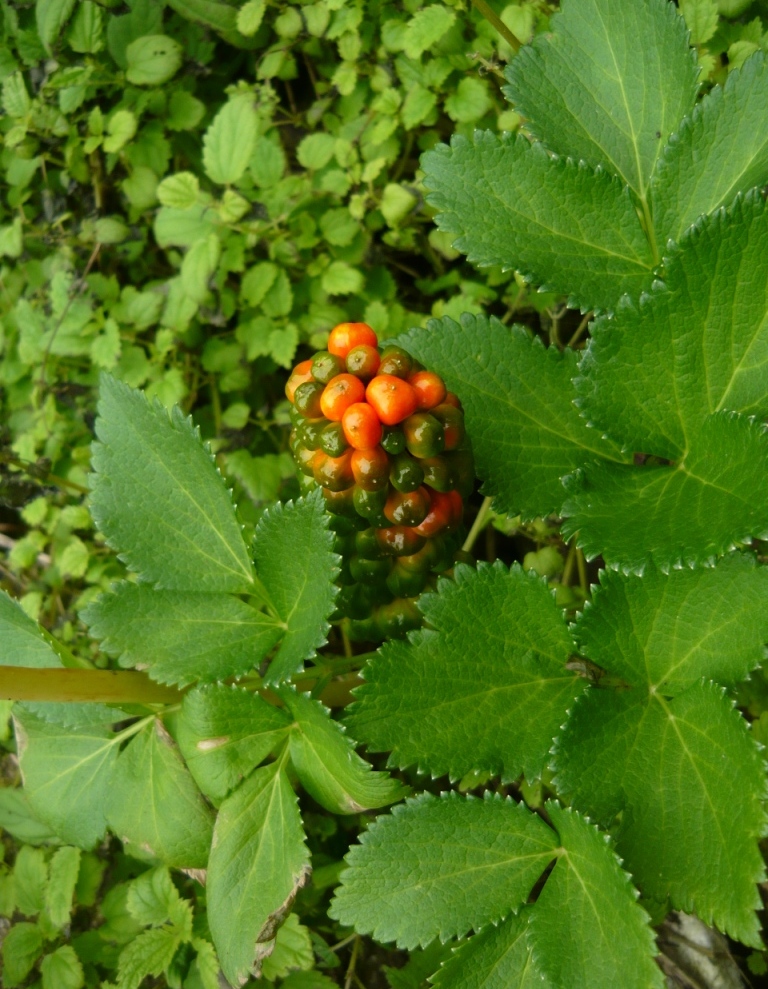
x=493 y=18
x=21 y=683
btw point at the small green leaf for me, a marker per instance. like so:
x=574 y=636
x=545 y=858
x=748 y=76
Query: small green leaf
x=701 y=18
x=258 y=863
x=563 y=225
x=587 y=930
x=30 y=874
x=179 y=191
x=426 y=28
x=120 y=129
x=496 y=958
x=62 y=878
x=518 y=401
x=152 y=898
x=159 y=499
x=51 y=17
x=293 y=950
x=230 y=139
x=22 y=946
x=424 y=698
x=224 y=732
x=67 y=774
x=152 y=60
x=327 y=765
x=181 y=637
x=589 y=90
x=720 y=150
x=250 y=16
x=21 y=640
x=293 y=550
x=62 y=969
x=438 y=867
x=148 y=954
x=198 y=266
x=154 y=804
x=315 y=150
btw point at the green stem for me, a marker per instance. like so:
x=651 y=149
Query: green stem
x=493 y=18
x=21 y=683
x=481 y=520
x=583 y=580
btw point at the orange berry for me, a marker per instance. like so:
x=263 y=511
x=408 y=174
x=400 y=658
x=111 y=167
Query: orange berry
x=439 y=517
x=392 y=398
x=451 y=399
x=301 y=373
x=429 y=388
x=370 y=469
x=341 y=392
x=457 y=507
x=334 y=473
x=361 y=425
x=345 y=336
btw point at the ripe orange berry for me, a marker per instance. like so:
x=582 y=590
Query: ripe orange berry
x=451 y=399
x=439 y=517
x=301 y=373
x=363 y=361
x=457 y=508
x=361 y=425
x=341 y=392
x=370 y=469
x=345 y=336
x=429 y=388
x=392 y=398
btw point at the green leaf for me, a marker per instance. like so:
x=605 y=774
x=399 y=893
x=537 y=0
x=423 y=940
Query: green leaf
x=327 y=765
x=720 y=150
x=30 y=874
x=180 y=637
x=293 y=950
x=258 y=863
x=63 y=871
x=564 y=226
x=587 y=930
x=120 y=129
x=590 y=89
x=681 y=515
x=148 y=954
x=293 y=551
x=152 y=60
x=159 y=499
x=62 y=969
x=17 y=819
x=688 y=781
x=154 y=804
x=701 y=18
x=224 y=732
x=22 y=641
x=424 y=698
x=496 y=958
x=51 y=17
x=426 y=28
x=198 y=266
x=22 y=946
x=438 y=867
x=67 y=774
x=152 y=897
x=315 y=150
x=518 y=402
x=179 y=191
x=250 y=16
x=230 y=139
x=667 y=631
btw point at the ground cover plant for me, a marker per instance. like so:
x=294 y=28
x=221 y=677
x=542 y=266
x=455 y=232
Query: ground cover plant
x=566 y=763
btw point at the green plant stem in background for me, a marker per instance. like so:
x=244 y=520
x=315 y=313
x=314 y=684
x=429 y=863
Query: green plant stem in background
x=493 y=18
x=481 y=520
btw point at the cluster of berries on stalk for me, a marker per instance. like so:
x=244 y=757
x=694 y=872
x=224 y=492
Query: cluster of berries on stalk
x=386 y=443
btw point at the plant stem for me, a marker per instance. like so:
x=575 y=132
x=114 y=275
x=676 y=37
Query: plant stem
x=493 y=18
x=21 y=683
x=580 y=328
x=478 y=525
x=583 y=580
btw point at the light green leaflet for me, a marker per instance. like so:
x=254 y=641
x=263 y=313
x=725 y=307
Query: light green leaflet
x=490 y=669
x=590 y=89
x=499 y=957
x=518 y=402
x=159 y=499
x=21 y=639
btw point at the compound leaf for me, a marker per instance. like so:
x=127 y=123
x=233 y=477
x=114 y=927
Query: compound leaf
x=154 y=804
x=224 y=732
x=327 y=765
x=22 y=642
x=721 y=149
x=441 y=866
x=293 y=550
x=688 y=780
x=587 y=930
x=588 y=89
x=484 y=688
x=159 y=500
x=179 y=636
x=697 y=345
x=499 y=957
x=258 y=863
x=667 y=631
x=561 y=224
x=67 y=774
x=518 y=402
x=682 y=514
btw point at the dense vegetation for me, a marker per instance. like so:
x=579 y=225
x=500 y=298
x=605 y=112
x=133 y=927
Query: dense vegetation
x=194 y=194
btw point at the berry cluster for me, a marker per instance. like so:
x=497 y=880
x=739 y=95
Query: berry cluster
x=385 y=441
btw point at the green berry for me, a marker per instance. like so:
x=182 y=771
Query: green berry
x=306 y=398
x=326 y=366
x=394 y=360
x=332 y=440
x=369 y=571
x=393 y=440
x=424 y=435
x=310 y=431
x=370 y=505
x=406 y=474
x=405 y=583
x=438 y=474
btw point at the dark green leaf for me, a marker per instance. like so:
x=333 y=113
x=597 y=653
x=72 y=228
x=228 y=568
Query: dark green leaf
x=496 y=958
